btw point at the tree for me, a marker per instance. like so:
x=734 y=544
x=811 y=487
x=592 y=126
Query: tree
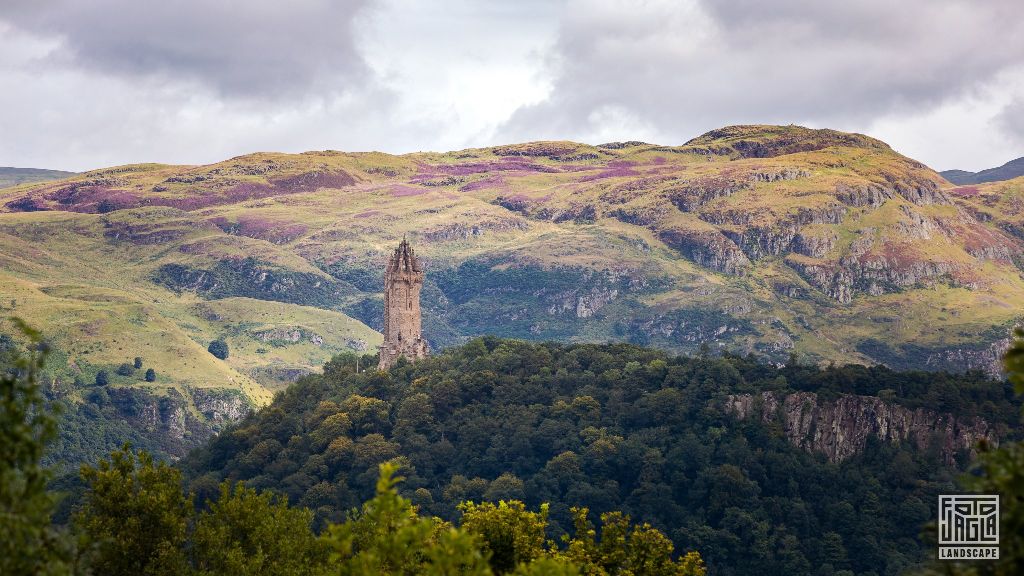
x=102 y=378
x=138 y=362
x=510 y=533
x=248 y=533
x=386 y=536
x=150 y=375
x=134 y=516
x=125 y=369
x=621 y=550
x=219 y=349
x=29 y=544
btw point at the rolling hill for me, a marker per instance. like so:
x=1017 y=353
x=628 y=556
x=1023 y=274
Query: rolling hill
x=770 y=240
x=14 y=176
x=1008 y=171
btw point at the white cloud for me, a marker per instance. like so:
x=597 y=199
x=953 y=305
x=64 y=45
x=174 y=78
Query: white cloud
x=193 y=81
x=686 y=67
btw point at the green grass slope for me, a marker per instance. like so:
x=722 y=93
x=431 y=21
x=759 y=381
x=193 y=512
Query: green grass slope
x=763 y=239
x=14 y=176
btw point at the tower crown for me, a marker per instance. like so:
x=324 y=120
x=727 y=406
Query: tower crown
x=404 y=259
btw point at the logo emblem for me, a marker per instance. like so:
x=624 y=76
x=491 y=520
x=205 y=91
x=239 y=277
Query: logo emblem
x=968 y=527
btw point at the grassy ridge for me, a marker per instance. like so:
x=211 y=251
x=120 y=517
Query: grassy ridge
x=758 y=239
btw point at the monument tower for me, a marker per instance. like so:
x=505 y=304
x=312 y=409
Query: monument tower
x=403 y=335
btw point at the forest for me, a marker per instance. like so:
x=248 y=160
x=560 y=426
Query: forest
x=610 y=427
x=504 y=456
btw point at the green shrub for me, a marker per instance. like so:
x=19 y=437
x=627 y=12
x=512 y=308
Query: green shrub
x=219 y=349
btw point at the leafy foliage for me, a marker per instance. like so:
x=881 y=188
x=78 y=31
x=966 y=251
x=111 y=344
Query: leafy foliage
x=247 y=533
x=244 y=532
x=609 y=428
x=135 y=516
x=28 y=544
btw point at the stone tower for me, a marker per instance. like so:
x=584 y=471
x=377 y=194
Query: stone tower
x=403 y=335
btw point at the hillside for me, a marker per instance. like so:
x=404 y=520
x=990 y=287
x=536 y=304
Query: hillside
x=763 y=239
x=14 y=176
x=672 y=441
x=1008 y=171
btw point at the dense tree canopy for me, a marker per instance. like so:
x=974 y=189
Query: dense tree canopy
x=608 y=428
x=546 y=459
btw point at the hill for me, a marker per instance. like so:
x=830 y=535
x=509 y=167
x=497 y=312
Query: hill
x=15 y=176
x=665 y=439
x=1008 y=171
x=764 y=239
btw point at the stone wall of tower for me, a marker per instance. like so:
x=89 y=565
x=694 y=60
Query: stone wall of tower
x=403 y=334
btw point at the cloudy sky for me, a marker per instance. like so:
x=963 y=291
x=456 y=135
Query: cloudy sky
x=91 y=83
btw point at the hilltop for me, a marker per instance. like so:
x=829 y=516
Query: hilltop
x=1008 y=171
x=14 y=176
x=769 y=240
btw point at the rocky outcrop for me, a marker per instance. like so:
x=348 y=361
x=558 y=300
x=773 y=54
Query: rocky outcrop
x=875 y=275
x=779 y=175
x=585 y=304
x=988 y=359
x=815 y=245
x=698 y=192
x=220 y=405
x=288 y=336
x=464 y=231
x=875 y=268
x=763 y=241
x=919 y=191
x=840 y=428
x=871 y=195
x=833 y=281
x=168 y=420
x=708 y=248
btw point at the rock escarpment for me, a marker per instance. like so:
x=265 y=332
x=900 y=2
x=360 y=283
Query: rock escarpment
x=169 y=421
x=840 y=429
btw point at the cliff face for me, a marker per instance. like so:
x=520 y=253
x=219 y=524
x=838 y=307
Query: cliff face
x=840 y=429
x=169 y=420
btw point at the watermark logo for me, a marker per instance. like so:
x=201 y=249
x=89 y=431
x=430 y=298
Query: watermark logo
x=968 y=527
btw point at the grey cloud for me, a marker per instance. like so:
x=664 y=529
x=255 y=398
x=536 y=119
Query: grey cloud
x=685 y=68
x=1011 y=121
x=251 y=49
